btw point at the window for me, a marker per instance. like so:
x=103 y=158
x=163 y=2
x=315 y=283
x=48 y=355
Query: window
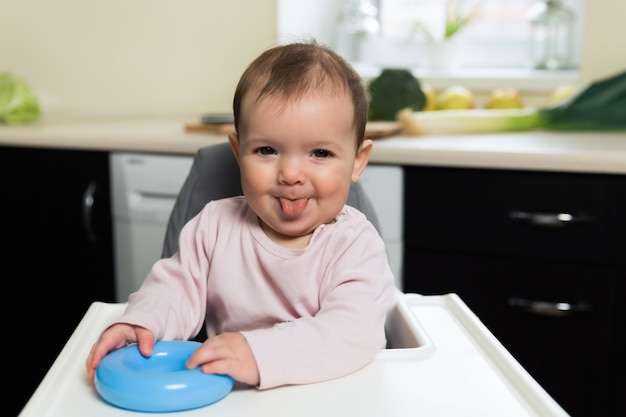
x=502 y=17
x=494 y=46
x=498 y=35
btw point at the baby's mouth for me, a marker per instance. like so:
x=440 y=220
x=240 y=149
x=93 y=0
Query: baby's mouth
x=293 y=208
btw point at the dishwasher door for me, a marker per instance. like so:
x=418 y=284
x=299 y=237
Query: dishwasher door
x=144 y=189
x=384 y=185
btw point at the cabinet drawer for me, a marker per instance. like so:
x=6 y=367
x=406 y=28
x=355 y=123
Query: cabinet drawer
x=564 y=323
x=527 y=214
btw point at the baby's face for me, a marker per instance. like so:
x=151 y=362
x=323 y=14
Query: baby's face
x=297 y=161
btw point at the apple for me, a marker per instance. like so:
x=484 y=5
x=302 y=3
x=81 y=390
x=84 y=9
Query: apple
x=561 y=93
x=455 y=97
x=431 y=97
x=505 y=98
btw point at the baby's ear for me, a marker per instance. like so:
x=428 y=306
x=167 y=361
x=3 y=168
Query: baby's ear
x=362 y=158
x=233 y=138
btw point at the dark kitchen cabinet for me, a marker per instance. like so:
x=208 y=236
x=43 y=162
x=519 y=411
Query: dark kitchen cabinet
x=540 y=257
x=57 y=256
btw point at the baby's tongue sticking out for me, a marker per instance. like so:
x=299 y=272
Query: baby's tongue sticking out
x=293 y=208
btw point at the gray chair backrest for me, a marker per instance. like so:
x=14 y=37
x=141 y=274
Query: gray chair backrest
x=214 y=174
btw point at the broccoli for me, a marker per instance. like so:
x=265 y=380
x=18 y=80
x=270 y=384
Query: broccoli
x=392 y=91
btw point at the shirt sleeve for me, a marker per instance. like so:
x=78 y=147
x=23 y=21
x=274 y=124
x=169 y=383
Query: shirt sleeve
x=171 y=301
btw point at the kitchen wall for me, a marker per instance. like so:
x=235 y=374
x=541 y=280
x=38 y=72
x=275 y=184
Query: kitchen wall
x=134 y=57
x=182 y=58
x=604 y=32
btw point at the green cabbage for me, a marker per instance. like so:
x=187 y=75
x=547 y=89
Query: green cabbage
x=18 y=103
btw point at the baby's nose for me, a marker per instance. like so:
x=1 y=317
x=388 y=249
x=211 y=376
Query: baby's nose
x=292 y=170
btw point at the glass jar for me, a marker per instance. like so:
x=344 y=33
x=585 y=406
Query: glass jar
x=358 y=23
x=552 y=31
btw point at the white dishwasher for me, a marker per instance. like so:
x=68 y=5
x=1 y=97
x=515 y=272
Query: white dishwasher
x=144 y=189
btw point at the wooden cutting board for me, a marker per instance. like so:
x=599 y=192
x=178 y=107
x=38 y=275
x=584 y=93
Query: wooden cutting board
x=373 y=130
x=379 y=130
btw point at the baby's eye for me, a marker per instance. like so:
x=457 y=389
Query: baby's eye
x=265 y=150
x=321 y=153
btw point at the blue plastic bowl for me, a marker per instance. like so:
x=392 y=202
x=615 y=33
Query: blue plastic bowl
x=160 y=383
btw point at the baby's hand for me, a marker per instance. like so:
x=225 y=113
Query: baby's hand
x=227 y=353
x=115 y=337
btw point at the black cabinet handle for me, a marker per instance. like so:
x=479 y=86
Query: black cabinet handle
x=549 y=219
x=548 y=308
x=88 y=202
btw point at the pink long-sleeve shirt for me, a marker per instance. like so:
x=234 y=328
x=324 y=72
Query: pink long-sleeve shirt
x=309 y=314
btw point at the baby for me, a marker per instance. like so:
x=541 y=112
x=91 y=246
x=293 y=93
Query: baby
x=291 y=284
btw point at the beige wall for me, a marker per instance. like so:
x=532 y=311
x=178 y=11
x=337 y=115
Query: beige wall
x=129 y=57
x=604 y=39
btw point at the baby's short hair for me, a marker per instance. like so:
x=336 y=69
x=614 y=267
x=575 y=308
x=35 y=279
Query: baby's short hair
x=290 y=71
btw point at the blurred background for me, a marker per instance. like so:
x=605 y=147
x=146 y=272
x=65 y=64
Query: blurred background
x=182 y=58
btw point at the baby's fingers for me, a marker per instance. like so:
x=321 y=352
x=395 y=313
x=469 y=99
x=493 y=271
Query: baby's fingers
x=210 y=351
x=228 y=353
x=145 y=341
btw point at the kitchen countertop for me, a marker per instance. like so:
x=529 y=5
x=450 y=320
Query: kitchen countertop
x=592 y=152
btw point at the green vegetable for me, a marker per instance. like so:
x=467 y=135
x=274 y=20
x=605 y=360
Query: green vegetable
x=467 y=121
x=393 y=90
x=600 y=106
x=18 y=103
x=455 y=21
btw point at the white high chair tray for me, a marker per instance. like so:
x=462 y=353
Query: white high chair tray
x=446 y=363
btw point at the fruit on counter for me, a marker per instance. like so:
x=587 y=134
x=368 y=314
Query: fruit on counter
x=561 y=93
x=455 y=97
x=431 y=97
x=600 y=106
x=18 y=103
x=393 y=90
x=504 y=98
